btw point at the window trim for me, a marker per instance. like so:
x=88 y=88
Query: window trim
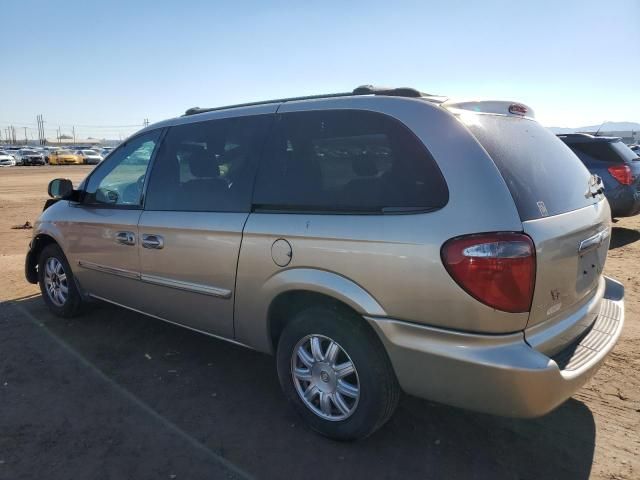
x=83 y=197
x=311 y=210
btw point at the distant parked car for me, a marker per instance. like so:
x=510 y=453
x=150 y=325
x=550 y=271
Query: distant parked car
x=65 y=157
x=635 y=148
x=89 y=157
x=616 y=164
x=48 y=151
x=6 y=159
x=27 y=156
x=106 y=151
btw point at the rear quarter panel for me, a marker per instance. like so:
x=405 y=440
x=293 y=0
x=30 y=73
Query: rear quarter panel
x=395 y=259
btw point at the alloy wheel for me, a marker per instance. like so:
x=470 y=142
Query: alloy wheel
x=56 y=282
x=325 y=377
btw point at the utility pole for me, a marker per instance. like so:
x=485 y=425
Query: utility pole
x=146 y=122
x=26 y=140
x=41 y=137
x=73 y=130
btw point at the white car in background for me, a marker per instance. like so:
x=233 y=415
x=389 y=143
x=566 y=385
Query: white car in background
x=89 y=157
x=6 y=159
x=29 y=156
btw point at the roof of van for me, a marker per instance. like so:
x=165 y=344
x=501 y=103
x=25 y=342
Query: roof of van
x=571 y=138
x=361 y=90
x=492 y=107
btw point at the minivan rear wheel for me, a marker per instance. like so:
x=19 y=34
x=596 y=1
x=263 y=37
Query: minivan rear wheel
x=57 y=284
x=335 y=371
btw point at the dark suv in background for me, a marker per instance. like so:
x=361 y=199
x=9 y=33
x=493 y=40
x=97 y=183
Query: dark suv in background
x=616 y=164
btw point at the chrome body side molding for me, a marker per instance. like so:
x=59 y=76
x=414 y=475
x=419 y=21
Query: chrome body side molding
x=161 y=281
x=188 y=286
x=121 y=272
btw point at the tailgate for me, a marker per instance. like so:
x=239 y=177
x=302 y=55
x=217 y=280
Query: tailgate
x=571 y=250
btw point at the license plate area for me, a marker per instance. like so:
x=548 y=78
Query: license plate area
x=592 y=254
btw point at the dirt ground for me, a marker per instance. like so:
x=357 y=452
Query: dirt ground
x=114 y=394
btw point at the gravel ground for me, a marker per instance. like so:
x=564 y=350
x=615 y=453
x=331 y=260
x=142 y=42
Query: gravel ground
x=114 y=394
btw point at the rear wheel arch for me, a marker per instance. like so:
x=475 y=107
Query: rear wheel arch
x=288 y=304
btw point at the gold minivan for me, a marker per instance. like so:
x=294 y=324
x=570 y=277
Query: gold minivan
x=377 y=242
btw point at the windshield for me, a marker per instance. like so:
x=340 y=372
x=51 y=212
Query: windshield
x=64 y=152
x=90 y=152
x=544 y=176
x=29 y=152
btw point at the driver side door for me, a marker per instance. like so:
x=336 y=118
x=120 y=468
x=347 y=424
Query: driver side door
x=102 y=231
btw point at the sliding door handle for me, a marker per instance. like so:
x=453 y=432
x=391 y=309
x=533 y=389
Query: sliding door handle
x=152 y=241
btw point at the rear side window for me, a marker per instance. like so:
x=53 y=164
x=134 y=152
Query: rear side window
x=544 y=176
x=207 y=166
x=614 y=152
x=347 y=161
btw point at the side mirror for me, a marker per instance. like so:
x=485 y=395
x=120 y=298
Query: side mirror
x=60 y=188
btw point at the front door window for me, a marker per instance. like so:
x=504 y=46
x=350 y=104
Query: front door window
x=120 y=179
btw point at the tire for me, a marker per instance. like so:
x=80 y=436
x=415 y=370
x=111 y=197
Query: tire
x=69 y=304
x=344 y=416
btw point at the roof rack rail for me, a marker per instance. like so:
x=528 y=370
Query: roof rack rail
x=361 y=90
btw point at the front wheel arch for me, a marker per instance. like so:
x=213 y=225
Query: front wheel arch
x=37 y=245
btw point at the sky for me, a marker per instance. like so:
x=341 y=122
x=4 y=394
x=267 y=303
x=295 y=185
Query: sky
x=104 y=66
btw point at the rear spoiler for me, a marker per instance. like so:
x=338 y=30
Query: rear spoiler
x=494 y=107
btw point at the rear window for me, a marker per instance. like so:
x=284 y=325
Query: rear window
x=544 y=176
x=614 y=152
x=347 y=161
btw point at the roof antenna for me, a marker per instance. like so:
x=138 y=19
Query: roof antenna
x=598 y=131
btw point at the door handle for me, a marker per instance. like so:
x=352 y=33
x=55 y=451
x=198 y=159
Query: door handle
x=126 y=238
x=593 y=242
x=152 y=241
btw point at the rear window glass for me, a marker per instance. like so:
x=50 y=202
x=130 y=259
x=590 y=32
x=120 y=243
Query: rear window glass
x=614 y=152
x=544 y=176
x=349 y=161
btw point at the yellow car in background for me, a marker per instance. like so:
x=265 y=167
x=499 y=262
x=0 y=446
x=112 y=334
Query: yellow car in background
x=65 y=157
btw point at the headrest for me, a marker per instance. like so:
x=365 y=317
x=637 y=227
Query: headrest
x=364 y=165
x=203 y=164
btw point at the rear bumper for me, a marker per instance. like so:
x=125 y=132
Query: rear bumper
x=499 y=374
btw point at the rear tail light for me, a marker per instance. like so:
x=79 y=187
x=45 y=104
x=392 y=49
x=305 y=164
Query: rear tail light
x=622 y=173
x=497 y=269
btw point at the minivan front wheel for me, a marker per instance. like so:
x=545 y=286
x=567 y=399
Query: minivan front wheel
x=336 y=373
x=56 y=282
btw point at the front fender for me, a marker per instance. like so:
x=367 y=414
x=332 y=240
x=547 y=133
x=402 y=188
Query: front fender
x=42 y=231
